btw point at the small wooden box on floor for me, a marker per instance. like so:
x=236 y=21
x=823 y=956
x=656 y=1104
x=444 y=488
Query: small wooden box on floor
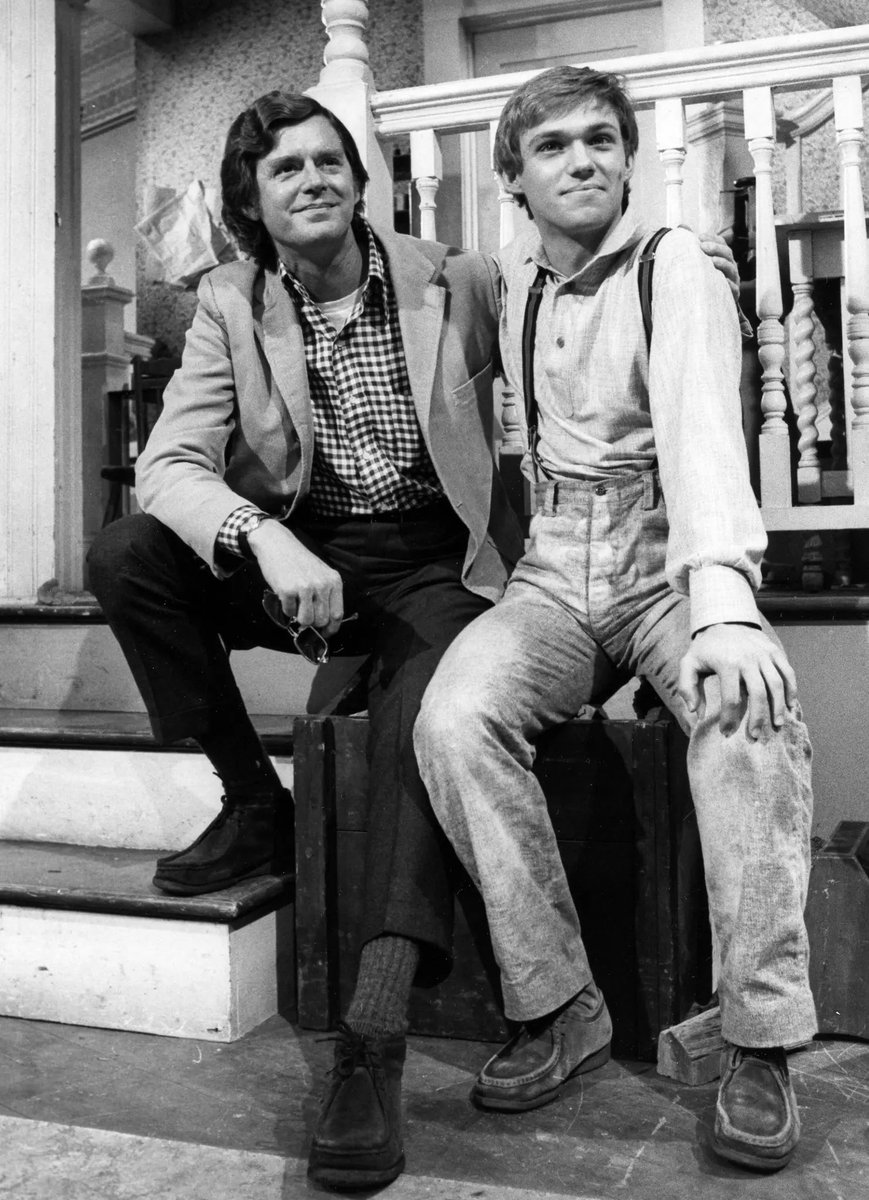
x=837 y=920
x=620 y=804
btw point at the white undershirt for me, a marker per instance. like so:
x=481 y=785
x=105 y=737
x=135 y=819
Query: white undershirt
x=337 y=312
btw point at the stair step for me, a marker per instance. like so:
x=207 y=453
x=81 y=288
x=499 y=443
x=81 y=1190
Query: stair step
x=99 y=779
x=131 y=730
x=86 y=939
x=70 y=659
x=116 y=880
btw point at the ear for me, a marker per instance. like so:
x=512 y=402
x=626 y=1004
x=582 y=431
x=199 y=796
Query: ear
x=511 y=185
x=629 y=166
x=252 y=212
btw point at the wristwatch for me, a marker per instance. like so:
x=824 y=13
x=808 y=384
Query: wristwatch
x=246 y=529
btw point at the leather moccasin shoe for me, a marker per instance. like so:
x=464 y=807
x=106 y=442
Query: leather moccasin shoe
x=757 y=1122
x=250 y=836
x=535 y=1065
x=357 y=1143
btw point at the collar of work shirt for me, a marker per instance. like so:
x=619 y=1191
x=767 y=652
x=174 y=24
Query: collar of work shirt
x=625 y=235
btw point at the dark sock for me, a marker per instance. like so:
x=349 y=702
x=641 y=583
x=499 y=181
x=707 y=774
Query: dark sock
x=234 y=749
x=387 y=966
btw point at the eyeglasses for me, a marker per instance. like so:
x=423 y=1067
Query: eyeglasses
x=309 y=642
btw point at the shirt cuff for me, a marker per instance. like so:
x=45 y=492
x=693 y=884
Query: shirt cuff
x=720 y=596
x=238 y=522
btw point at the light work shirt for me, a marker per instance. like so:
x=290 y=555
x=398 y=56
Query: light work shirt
x=607 y=407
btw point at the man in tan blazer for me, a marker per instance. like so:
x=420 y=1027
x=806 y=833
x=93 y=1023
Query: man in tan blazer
x=327 y=441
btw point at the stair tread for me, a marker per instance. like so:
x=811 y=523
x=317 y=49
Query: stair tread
x=116 y=880
x=71 y=727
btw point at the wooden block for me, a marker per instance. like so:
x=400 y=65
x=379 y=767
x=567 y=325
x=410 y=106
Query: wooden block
x=619 y=801
x=691 y=1051
x=837 y=920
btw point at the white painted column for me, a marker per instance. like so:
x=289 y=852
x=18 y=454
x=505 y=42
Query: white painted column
x=27 y=317
x=40 y=317
x=345 y=87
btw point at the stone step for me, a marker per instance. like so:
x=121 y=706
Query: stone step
x=98 y=779
x=86 y=939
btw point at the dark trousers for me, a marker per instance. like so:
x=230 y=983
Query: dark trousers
x=176 y=624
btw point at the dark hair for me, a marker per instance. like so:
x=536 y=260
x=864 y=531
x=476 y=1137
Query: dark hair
x=553 y=93
x=252 y=135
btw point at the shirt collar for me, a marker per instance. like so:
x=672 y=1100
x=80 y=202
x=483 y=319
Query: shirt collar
x=624 y=235
x=376 y=266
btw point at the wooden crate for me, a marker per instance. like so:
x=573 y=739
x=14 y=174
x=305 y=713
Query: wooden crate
x=837 y=920
x=619 y=800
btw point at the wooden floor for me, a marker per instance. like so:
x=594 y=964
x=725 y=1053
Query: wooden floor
x=89 y=1114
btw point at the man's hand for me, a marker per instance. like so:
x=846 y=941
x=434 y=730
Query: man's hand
x=308 y=589
x=751 y=669
x=722 y=259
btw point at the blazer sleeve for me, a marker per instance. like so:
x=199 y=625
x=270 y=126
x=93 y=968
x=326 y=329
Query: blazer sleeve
x=180 y=473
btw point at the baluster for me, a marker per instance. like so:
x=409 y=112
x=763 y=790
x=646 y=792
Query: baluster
x=426 y=169
x=506 y=203
x=775 y=485
x=803 y=389
x=848 y=109
x=670 y=140
x=346 y=55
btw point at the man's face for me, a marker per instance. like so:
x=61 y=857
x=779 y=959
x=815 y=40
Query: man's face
x=574 y=170
x=307 y=193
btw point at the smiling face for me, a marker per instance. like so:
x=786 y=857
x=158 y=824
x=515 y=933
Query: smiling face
x=307 y=192
x=573 y=175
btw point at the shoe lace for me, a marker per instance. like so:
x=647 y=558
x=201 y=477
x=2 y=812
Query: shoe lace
x=352 y=1050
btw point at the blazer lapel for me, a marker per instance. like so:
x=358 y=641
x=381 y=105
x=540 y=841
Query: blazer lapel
x=283 y=344
x=420 y=316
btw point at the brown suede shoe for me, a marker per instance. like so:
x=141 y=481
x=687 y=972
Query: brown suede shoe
x=250 y=836
x=357 y=1142
x=757 y=1122
x=535 y=1065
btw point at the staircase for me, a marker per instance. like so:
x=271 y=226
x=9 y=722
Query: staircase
x=87 y=801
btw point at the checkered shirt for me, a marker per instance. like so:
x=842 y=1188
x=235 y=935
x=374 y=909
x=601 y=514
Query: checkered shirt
x=369 y=452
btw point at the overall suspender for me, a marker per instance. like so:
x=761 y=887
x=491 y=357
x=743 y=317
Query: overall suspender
x=529 y=332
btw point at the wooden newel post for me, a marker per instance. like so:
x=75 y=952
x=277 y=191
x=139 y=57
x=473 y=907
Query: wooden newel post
x=345 y=87
x=105 y=366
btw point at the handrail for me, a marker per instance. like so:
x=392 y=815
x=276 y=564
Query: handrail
x=696 y=75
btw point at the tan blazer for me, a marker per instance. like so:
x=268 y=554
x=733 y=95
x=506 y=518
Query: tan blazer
x=237 y=421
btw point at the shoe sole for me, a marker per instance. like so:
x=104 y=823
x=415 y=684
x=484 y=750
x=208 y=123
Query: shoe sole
x=358 y=1179
x=743 y=1156
x=502 y=1104
x=176 y=888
